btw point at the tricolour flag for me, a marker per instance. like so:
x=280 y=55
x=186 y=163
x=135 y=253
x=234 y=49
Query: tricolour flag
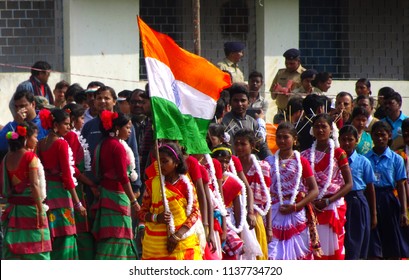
x=184 y=88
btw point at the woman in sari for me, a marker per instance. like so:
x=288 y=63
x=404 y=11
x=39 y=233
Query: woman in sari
x=113 y=223
x=24 y=219
x=56 y=156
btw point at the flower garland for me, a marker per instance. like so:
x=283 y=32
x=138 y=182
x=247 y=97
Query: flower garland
x=331 y=165
x=71 y=162
x=232 y=167
x=133 y=176
x=87 y=155
x=278 y=176
x=216 y=196
x=42 y=183
x=266 y=190
x=189 y=205
x=243 y=205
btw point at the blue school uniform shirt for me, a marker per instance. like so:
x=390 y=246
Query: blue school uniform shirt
x=396 y=125
x=388 y=168
x=362 y=171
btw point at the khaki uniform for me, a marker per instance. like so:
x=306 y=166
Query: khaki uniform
x=282 y=77
x=233 y=69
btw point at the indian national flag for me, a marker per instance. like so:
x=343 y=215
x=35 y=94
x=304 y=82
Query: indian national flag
x=184 y=89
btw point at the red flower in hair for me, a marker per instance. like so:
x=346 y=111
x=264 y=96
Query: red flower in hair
x=21 y=130
x=46 y=118
x=106 y=119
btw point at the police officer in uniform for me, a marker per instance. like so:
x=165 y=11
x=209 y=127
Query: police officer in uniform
x=233 y=52
x=287 y=79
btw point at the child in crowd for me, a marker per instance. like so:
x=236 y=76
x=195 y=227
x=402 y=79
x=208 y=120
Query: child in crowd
x=293 y=187
x=234 y=193
x=334 y=180
x=177 y=209
x=359 y=119
x=258 y=176
x=387 y=238
x=361 y=204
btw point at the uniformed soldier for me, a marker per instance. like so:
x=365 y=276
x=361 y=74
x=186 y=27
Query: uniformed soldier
x=233 y=52
x=287 y=79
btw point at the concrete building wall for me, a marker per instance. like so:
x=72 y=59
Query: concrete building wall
x=102 y=42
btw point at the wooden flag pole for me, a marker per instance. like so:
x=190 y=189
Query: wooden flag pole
x=162 y=185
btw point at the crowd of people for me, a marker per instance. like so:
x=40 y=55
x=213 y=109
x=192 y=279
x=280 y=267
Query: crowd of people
x=84 y=178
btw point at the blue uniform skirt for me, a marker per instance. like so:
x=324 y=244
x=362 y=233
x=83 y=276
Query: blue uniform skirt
x=387 y=239
x=357 y=226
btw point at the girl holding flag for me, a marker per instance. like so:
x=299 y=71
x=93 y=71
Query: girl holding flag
x=170 y=217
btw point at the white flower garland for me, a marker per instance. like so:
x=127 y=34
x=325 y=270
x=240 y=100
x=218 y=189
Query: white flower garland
x=331 y=165
x=243 y=205
x=189 y=206
x=232 y=167
x=42 y=183
x=71 y=163
x=87 y=155
x=215 y=195
x=131 y=157
x=297 y=183
x=263 y=185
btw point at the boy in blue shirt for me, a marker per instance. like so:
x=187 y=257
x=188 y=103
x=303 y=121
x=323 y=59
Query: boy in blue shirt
x=361 y=204
x=387 y=239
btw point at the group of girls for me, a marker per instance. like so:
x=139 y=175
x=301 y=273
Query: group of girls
x=327 y=202
x=46 y=215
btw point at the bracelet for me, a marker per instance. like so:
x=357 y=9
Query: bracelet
x=327 y=201
x=141 y=226
x=154 y=218
x=78 y=205
x=134 y=202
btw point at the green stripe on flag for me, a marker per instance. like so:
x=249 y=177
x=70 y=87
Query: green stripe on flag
x=170 y=123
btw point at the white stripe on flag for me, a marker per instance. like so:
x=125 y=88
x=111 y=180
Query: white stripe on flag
x=189 y=100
